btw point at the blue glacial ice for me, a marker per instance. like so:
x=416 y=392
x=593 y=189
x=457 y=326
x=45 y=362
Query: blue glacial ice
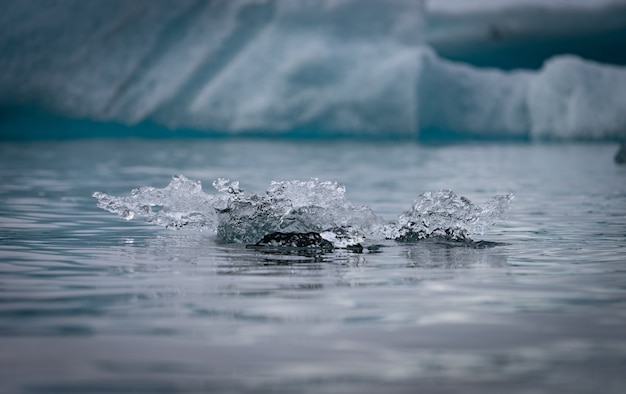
x=568 y=98
x=322 y=68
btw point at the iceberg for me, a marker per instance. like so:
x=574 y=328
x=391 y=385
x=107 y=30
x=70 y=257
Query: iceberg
x=325 y=68
x=568 y=98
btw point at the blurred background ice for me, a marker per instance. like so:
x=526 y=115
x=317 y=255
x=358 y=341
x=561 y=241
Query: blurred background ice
x=483 y=69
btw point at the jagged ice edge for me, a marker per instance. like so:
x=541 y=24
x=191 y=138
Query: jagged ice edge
x=236 y=215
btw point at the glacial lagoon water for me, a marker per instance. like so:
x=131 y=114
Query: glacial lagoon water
x=93 y=303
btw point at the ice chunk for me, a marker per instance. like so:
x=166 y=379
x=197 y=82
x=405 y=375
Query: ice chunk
x=291 y=206
x=444 y=214
x=301 y=207
x=182 y=203
x=344 y=237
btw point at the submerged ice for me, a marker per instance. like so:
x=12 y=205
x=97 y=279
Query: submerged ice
x=296 y=212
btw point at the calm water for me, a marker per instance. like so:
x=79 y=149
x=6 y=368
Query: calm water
x=90 y=303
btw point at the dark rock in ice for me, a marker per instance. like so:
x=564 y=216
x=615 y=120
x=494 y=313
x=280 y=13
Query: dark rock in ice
x=326 y=241
x=450 y=234
x=310 y=240
x=620 y=156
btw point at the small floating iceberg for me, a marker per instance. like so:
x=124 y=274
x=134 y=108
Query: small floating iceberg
x=301 y=214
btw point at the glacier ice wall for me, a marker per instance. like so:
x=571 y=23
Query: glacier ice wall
x=262 y=65
x=286 y=67
x=568 y=98
x=575 y=98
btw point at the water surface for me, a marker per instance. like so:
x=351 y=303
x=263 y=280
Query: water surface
x=91 y=303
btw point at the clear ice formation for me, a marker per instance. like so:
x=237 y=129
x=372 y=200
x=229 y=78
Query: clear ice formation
x=444 y=214
x=235 y=215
